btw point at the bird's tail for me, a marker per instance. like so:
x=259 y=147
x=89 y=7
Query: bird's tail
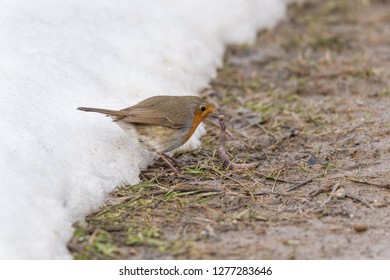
x=103 y=111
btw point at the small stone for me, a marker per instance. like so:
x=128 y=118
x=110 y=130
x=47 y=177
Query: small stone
x=360 y=228
x=291 y=242
x=340 y=193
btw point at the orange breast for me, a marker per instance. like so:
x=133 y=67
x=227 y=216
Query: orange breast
x=197 y=120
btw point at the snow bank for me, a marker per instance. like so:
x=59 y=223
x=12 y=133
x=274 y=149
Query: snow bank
x=57 y=163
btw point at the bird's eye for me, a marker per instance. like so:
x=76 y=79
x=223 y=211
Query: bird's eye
x=202 y=108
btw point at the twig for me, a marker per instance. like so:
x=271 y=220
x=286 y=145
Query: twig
x=266 y=131
x=281 y=180
x=266 y=193
x=222 y=153
x=342 y=132
x=348 y=131
x=323 y=189
x=277 y=177
x=229 y=177
x=250 y=192
x=358 y=199
x=332 y=194
x=278 y=141
x=296 y=186
x=342 y=72
x=180 y=189
x=386 y=186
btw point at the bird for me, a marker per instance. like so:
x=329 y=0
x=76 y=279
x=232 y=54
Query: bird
x=163 y=123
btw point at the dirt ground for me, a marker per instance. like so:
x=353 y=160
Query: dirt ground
x=310 y=102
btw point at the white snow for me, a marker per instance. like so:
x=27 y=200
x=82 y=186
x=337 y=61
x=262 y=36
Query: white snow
x=57 y=163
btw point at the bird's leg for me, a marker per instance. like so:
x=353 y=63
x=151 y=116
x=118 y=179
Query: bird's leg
x=175 y=161
x=166 y=158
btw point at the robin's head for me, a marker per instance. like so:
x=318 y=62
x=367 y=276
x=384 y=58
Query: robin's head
x=202 y=109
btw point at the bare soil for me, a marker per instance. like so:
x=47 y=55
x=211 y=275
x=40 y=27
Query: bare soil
x=310 y=102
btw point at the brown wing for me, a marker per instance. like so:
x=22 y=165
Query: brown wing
x=150 y=116
x=168 y=111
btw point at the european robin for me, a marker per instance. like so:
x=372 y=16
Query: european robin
x=162 y=123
